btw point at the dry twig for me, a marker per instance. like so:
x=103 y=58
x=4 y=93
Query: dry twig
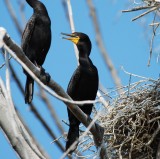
x=151 y=6
x=102 y=48
x=13 y=16
x=51 y=110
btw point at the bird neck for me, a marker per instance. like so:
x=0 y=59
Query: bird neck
x=37 y=6
x=84 y=59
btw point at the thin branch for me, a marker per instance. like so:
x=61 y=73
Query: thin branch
x=153 y=24
x=149 y=11
x=71 y=22
x=51 y=110
x=7 y=75
x=21 y=4
x=46 y=126
x=5 y=63
x=13 y=16
x=101 y=46
x=152 y=40
x=154 y=119
x=154 y=135
x=131 y=74
x=137 y=9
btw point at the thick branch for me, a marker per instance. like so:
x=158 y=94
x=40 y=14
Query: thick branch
x=41 y=149
x=15 y=131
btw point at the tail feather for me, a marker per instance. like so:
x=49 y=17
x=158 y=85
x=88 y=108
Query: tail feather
x=29 y=88
x=73 y=135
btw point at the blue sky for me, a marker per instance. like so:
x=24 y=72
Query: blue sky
x=126 y=42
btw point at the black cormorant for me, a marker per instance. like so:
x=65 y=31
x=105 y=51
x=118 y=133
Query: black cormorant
x=36 y=40
x=83 y=84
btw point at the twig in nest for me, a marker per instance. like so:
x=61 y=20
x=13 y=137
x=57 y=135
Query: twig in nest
x=154 y=135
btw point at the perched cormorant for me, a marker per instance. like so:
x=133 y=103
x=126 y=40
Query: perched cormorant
x=83 y=84
x=36 y=40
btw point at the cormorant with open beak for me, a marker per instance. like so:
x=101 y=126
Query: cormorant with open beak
x=83 y=84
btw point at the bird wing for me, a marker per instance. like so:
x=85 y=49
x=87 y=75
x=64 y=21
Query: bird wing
x=28 y=31
x=73 y=83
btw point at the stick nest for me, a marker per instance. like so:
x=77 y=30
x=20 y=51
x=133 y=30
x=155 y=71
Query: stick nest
x=131 y=122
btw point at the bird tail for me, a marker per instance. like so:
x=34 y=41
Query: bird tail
x=73 y=135
x=29 y=88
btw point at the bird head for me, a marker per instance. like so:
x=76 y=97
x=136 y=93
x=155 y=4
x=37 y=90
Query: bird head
x=81 y=40
x=38 y=6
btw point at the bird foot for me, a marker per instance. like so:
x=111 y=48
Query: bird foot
x=48 y=78
x=47 y=75
x=42 y=71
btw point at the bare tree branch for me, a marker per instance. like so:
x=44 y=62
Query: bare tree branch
x=21 y=4
x=51 y=110
x=71 y=22
x=44 y=153
x=148 y=11
x=137 y=9
x=14 y=129
x=13 y=16
x=101 y=46
x=46 y=126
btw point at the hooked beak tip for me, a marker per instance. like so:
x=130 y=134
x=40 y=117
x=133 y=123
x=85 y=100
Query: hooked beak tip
x=68 y=36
